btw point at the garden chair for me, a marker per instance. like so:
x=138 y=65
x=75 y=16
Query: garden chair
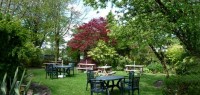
x=72 y=67
x=131 y=86
x=130 y=77
x=98 y=86
x=51 y=71
x=90 y=75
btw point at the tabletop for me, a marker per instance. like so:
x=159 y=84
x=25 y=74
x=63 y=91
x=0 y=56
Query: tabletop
x=104 y=67
x=108 y=78
x=63 y=66
x=134 y=66
x=86 y=64
x=51 y=63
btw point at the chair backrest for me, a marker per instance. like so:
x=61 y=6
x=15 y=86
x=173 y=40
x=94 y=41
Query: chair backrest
x=136 y=81
x=90 y=75
x=131 y=75
x=71 y=64
x=50 y=67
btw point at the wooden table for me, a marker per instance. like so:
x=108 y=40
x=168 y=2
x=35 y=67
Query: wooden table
x=134 y=68
x=104 y=69
x=84 y=66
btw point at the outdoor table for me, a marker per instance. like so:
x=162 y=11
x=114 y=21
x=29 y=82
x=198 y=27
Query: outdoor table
x=65 y=69
x=104 y=69
x=134 y=68
x=84 y=66
x=107 y=79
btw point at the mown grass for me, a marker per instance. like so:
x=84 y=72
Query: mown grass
x=75 y=85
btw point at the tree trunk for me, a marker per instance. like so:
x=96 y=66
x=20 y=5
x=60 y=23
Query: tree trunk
x=161 y=57
x=8 y=7
x=1 y=5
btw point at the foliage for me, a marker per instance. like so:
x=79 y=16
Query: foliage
x=121 y=61
x=103 y=54
x=49 y=21
x=189 y=65
x=182 y=85
x=156 y=22
x=155 y=67
x=175 y=53
x=89 y=33
x=15 y=86
x=13 y=37
x=71 y=55
x=187 y=79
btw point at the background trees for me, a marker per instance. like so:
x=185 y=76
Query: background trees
x=89 y=34
x=156 y=23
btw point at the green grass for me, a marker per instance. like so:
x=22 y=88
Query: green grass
x=75 y=85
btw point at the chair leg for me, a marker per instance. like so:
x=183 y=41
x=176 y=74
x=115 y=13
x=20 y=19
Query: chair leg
x=91 y=93
x=73 y=71
x=86 y=86
x=108 y=93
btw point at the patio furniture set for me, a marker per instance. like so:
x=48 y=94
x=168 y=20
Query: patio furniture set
x=100 y=80
x=101 y=84
x=57 y=70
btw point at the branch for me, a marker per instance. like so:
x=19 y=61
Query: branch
x=163 y=7
x=156 y=53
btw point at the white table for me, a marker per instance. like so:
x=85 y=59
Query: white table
x=134 y=68
x=104 y=69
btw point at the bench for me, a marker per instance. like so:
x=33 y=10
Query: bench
x=135 y=68
x=85 y=67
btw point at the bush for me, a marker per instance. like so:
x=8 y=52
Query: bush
x=155 y=67
x=12 y=38
x=182 y=85
x=189 y=65
x=187 y=82
x=175 y=53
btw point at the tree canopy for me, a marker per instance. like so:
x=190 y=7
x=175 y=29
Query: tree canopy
x=89 y=33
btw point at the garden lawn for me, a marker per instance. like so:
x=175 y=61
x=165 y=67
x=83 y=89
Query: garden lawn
x=76 y=85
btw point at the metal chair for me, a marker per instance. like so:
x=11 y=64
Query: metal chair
x=90 y=75
x=51 y=71
x=132 y=85
x=72 y=67
x=130 y=77
x=98 y=86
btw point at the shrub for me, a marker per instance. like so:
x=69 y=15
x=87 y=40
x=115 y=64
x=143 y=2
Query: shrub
x=175 y=53
x=155 y=67
x=182 y=85
x=187 y=82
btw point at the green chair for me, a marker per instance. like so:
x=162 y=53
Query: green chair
x=51 y=71
x=90 y=75
x=72 y=67
x=132 y=85
x=130 y=77
x=98 y=86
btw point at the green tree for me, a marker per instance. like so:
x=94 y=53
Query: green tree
x=103 y=54
x=153 y=22
x=13 y=39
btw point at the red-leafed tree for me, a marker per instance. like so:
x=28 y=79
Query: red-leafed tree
x=89 y=33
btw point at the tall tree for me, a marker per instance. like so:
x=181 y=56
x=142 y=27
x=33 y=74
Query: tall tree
x=45 y=18
x=89 y=33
